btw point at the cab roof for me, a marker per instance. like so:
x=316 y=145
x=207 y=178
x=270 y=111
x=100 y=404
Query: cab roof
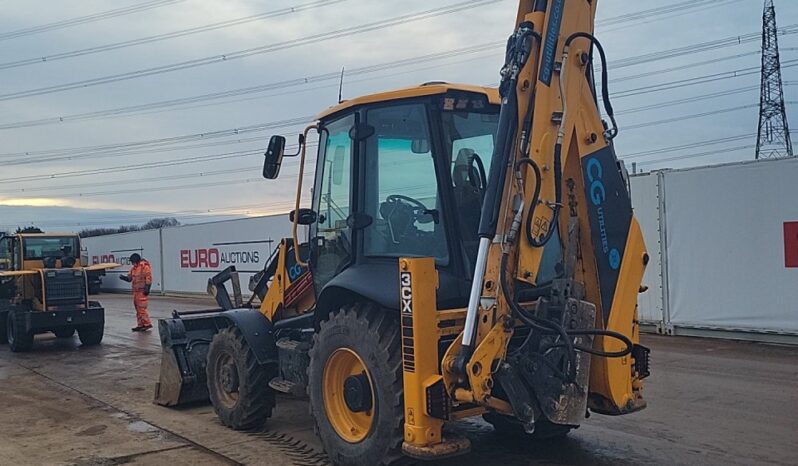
x=431 y=88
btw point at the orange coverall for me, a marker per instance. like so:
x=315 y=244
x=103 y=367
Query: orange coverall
x=141 y=276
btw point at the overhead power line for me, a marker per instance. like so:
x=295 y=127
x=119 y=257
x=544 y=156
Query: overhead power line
x=710 y=78
x=686 y=100
x=138 y=166
x=87 y=19
x=699 y=48
x=144 y=165
x=681 y=147
x=83 y=152
x=288 y=83
x=663 y=10
x=699 y=155
x=315 y=38
x=238 y=54
x=681 y=118
x=168 y=35
x=109 y=150
x=232 y=211
x=335 y=75
x=650 y=13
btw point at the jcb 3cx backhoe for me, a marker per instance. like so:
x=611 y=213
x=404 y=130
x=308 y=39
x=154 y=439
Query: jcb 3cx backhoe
x=470 y=252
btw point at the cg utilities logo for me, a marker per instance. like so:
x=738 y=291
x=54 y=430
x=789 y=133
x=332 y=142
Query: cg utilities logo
x=598 y=195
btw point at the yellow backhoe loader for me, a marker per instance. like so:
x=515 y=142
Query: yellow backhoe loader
x=470 y=252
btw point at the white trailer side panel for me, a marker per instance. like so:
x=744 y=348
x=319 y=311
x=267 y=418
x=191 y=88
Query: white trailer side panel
x=646 y=204
x=118 y=248
x=727 y=246
x=194 y=253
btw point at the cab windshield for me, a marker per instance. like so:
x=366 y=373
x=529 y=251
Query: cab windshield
x=39 y=248
x=401 y=188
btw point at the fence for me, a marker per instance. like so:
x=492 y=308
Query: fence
x=724 y=247
x=183 y=258
x=723 y=243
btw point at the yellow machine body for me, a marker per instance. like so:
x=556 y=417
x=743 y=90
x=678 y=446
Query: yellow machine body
x=558 y=192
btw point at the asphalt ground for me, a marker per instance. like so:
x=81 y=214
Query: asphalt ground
x=710 y=402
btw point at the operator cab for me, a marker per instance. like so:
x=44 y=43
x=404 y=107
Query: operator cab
x=39 y=250
x=399 y=174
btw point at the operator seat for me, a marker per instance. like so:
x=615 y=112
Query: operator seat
x=468 y=194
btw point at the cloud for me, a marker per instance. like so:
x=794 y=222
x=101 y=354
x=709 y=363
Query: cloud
x=480 y=25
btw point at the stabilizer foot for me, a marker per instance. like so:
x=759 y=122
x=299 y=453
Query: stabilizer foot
x=450 y=446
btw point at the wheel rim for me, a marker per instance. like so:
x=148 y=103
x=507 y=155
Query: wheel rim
x=226 y=382
x=344 y=364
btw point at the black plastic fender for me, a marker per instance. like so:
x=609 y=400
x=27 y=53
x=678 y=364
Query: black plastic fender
x=257 y=330
x=378 y=282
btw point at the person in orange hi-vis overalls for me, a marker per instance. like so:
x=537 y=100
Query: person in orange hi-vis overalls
x=140 y=277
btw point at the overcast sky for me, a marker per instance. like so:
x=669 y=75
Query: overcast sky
x=34 y=142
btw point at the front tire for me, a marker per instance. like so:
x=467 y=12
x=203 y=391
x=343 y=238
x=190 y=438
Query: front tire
x=237 y=382
x=92 y=334
x=19 y=340
x=355 y=386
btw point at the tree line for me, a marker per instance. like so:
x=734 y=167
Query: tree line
x=153 y=224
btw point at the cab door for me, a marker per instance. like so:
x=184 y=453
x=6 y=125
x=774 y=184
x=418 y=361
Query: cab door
x=331 y=236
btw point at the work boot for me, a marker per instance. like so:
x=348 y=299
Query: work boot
x=144 y=328
x=137 y=329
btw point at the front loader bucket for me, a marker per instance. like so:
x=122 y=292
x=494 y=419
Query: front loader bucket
x=184 y=341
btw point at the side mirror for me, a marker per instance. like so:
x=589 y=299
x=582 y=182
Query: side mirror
x=273 y=157
x=306 y=216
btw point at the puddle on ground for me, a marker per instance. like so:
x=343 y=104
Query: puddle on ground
x=142 y=427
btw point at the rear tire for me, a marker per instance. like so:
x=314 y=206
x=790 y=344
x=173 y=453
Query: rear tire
x=3 y=331
x=65 y=332
x=92 y=334
x=508 y=428
x=18 y=339
x=362 y=340
x=237 y=382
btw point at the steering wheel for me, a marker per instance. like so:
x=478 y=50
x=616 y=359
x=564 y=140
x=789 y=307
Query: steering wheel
x=421 y=213
x=402 y=212
x=409 y=200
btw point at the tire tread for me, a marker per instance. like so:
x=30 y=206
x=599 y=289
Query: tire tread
x=256 y=400
x=384 y=328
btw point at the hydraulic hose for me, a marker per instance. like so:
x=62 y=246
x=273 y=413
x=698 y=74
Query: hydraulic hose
x=605 y=333
x=605 y=90
x=536 y=323
x=519 y=48
x=540 y=242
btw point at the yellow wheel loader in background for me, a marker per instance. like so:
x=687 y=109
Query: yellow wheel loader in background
x=470 y=252
x=44 y=287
